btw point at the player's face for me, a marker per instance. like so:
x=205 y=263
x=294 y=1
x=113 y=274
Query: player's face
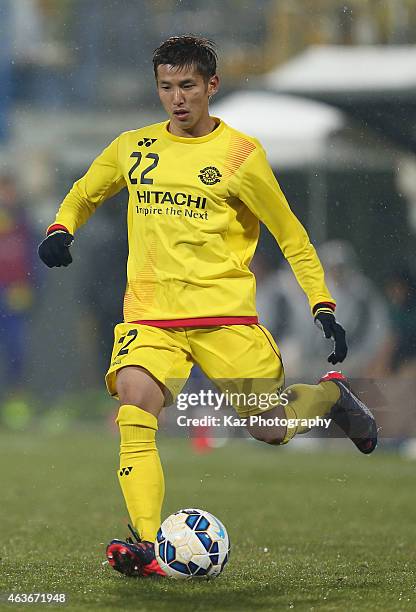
x=184 y=95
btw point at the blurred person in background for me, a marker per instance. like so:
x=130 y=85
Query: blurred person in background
x=16 y=284
x=362 y=305
x=395 y=364
x=100 y=296
x=281 y=306
x=397 y=356
x=39 y=58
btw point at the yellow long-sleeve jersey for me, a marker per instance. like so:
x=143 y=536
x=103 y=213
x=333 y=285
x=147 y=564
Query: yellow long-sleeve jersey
x=193 y=223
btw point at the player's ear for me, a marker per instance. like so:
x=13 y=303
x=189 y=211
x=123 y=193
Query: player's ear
x=213 y=85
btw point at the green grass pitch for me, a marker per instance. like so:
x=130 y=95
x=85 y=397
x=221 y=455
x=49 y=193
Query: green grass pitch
x=309 y=531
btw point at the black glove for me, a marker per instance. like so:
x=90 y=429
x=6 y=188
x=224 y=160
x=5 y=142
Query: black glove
x=54 y=250
x=325 y=319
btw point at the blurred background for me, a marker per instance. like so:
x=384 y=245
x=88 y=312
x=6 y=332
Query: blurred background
x=328 y=87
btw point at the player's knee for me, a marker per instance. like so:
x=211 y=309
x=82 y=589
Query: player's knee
x=128 y=392
x=136 y=387
x=271 y=436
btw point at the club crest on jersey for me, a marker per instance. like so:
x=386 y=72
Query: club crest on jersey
x=147 y=142
x=210 y=175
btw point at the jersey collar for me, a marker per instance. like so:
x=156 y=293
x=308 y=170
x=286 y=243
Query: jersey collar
x=218 y=130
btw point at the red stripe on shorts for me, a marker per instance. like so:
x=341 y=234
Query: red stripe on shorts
x=200 y=322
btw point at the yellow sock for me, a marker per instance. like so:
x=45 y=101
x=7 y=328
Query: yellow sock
x=140 y=475
x=309 y=402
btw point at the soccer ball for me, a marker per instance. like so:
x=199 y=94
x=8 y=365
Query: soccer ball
x=192 y=543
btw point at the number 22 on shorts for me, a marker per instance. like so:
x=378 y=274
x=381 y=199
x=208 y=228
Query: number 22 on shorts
x=126 y=340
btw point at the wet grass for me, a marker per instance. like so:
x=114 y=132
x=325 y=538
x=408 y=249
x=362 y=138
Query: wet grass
x=309 y=531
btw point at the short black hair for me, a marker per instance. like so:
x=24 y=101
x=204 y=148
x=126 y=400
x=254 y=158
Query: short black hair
x=186 y=51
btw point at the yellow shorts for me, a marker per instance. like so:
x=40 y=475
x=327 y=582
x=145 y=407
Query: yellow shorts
x=237 y=358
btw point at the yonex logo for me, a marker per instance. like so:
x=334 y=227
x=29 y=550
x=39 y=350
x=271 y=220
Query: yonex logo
x=125 y=471
x=147 y=142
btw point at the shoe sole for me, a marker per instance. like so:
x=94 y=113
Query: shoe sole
x=124 y=561
x=344 y=416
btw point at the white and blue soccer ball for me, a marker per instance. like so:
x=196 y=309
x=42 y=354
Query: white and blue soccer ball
x=192 y=544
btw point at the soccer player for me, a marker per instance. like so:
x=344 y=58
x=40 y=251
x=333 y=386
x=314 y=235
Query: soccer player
x=197 y=191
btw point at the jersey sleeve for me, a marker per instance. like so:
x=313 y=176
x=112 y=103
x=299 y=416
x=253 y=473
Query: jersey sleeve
x=259 y=190
x=103 y=180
